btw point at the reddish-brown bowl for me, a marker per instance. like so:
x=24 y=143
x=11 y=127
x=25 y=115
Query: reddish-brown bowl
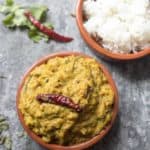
x=78 y=146
x=94 y=45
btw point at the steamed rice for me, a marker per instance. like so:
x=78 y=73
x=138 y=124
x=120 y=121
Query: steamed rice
x=123 y=25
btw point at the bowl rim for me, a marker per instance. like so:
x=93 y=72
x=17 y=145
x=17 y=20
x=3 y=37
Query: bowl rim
x=83 y=145
x=96 y=47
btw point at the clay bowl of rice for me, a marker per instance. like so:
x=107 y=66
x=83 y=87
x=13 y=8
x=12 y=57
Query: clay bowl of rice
x=116 y=29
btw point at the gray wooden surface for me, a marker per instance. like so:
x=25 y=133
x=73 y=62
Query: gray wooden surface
x=17 y=52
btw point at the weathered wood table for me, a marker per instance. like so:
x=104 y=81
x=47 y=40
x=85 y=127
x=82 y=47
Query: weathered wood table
x=17 y=52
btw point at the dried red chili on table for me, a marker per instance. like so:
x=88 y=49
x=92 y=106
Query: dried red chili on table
x=58 y=99
x=52 y=34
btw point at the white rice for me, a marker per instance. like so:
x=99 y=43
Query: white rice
x=123 y=25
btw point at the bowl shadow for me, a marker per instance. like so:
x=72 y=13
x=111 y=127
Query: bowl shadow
x=112 y=137
x=134 y=70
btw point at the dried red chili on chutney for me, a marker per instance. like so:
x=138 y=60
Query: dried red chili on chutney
x=59 y=100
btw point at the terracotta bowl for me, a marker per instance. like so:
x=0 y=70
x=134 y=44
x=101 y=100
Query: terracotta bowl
x=78 y=146
x=93 y=44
